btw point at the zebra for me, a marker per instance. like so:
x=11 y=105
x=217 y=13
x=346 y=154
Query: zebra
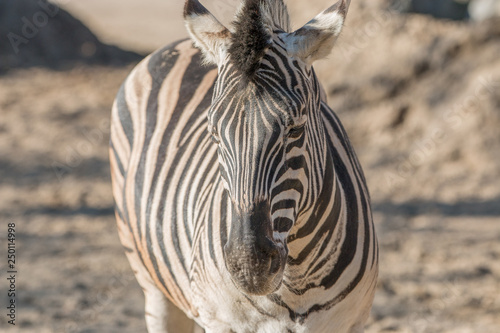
x=240 y=202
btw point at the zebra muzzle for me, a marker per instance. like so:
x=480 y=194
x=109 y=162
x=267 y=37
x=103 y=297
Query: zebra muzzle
x=253 y=259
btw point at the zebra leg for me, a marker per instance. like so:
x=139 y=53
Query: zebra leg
x=162 y=316
x=357 y=329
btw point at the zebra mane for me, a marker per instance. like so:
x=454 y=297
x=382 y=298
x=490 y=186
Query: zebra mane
x=255 y=22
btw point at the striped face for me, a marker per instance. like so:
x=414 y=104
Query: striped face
x=266 y=154
x=266 y=123
x=261 y=130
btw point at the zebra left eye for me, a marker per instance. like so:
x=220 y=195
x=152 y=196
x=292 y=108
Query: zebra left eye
x=296 y=132
x=215 y=138
x=213 y=134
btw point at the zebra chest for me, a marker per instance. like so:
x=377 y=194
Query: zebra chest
x=222 y=309
x=220 y=306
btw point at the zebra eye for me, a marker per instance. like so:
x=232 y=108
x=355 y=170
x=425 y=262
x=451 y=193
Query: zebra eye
x=296 y=132
x=213 y=134
x=215 y=138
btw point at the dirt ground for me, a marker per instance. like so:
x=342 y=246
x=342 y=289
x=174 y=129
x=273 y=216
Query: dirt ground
x=420 y=99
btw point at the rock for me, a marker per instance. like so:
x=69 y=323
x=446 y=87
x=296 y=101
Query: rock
x=39 y=33
x=445 y=9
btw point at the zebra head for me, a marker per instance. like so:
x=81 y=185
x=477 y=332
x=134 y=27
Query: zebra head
x=265 y=119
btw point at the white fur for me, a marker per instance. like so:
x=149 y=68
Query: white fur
x=316 y=39
x=210 y=36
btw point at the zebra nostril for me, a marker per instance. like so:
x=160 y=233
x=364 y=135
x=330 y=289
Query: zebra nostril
x=270 y=256
x=275 y=262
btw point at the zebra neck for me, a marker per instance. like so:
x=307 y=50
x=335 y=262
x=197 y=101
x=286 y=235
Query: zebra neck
x=313 y=244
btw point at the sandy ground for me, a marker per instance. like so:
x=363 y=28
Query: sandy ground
x=419 y=98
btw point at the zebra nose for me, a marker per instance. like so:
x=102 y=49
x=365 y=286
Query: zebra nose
x=252 y=258
x=257 y=254
x=254 y=265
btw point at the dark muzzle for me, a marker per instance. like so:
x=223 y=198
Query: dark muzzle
x=253 y=259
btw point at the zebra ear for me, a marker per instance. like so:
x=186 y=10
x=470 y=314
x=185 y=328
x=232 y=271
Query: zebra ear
x=315 y=40
x=207 y=33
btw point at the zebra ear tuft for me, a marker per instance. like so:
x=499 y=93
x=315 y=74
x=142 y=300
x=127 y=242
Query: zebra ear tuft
x=316 y=39
x=207 y=33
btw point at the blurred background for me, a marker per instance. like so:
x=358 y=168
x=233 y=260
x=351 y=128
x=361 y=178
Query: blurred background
x=415 y=82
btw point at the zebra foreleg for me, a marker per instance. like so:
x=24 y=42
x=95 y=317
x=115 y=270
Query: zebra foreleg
x=162 y=316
